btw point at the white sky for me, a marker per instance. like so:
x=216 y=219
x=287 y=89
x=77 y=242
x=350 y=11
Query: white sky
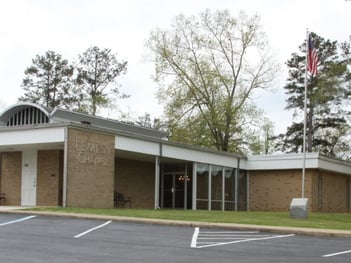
x=69 y=27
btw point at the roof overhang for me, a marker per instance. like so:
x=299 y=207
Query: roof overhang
x=295 y=161
x=52 y=136
x=42 y=137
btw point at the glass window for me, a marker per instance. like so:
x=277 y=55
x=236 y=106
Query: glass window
x=216 y=187
x=202 y=186
x=242 y=191
x=233 y=190
x=229 y=194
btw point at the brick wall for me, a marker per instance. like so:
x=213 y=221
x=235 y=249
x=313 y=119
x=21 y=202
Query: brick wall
x=11 y=177
x=333 y=192
x=49 y=178
x=136 y=179
x=274 y=190
x=90 y=173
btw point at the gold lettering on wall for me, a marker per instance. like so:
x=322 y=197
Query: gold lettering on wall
x=92 y=153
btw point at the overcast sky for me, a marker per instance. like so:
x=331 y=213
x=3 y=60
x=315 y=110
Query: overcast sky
x=69 y=27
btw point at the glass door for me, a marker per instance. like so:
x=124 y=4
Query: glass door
x=174 y=187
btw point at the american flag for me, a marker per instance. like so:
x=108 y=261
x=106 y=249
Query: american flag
x=312 y=57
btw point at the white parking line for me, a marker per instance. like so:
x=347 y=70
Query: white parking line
x=17 y=220
x=229 y=232
x=92 y=229
x=245 y=240
x=207 y=239
x=194 y=239
x=337 y=253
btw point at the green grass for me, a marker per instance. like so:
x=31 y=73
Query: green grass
x=341 y=221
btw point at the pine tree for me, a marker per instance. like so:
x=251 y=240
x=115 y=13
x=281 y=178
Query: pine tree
x=48 y=81
x=326 y=125
x=97 y=72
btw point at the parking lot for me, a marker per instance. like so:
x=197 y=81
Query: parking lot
x=31 y=238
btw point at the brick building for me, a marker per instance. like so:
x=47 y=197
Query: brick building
x=55 y=157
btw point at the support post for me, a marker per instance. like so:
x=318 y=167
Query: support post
x=223 y=188
x=157 y=183
x=194 y=186
x=65 y=167
x=209 y=187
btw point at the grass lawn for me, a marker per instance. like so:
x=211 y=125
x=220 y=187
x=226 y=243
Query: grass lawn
x=341 y=221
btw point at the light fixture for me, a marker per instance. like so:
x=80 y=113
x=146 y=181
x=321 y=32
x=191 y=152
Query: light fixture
x=182 y=178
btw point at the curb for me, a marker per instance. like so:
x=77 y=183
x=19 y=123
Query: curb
x=246 y=227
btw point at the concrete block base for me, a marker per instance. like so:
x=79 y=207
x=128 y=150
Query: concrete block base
x=298 y=208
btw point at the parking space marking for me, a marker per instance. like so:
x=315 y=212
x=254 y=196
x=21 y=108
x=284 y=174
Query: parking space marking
x=194 y=239
x=337 y=254
x=92 y=229
x=17 y=220
x=220 y=238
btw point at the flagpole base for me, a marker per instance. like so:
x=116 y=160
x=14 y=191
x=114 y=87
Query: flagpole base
x=299 y=208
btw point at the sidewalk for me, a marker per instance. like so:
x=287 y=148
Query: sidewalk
x=246 y=227
x=4 y=208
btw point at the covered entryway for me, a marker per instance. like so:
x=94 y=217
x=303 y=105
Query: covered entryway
x=176 y=190
x=176 y=186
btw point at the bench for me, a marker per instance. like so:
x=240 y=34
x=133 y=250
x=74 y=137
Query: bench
x=119 y=199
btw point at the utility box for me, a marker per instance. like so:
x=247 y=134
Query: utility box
x=298 y=208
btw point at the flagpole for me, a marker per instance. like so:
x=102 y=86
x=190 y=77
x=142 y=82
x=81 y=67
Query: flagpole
x=305 y=121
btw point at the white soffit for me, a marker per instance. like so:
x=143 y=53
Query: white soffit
x=137 y=145
x=194 y=155
x=172 y=151
x=282 y=161
x=32 y=136
x=335 y=165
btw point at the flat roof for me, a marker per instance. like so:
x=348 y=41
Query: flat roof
x=58 y=115
x=295 y=161
x=144 y=138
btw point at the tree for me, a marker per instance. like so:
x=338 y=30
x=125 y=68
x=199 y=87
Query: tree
x=261 y=137
x=48 y=81
x=346 y=56
x=207 y=67
x=97 y=73
x=326 y=126
x=147 y=121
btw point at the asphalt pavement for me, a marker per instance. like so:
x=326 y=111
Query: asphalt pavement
x=272 y=229
x=28 y=237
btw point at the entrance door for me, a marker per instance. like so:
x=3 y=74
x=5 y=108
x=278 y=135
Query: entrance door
x=29 y=178
x=174 y=190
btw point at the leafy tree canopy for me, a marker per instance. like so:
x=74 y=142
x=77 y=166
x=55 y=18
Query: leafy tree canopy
x=207 y=67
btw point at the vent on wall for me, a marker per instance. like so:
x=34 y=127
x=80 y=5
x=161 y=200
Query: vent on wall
x=27 y=116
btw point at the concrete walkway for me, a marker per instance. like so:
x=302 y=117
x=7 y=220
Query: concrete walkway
x=5 y=208
x=244 y=227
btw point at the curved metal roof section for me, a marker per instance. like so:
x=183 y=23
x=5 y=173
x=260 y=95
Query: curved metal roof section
x=14 y=109
x=27 y=113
